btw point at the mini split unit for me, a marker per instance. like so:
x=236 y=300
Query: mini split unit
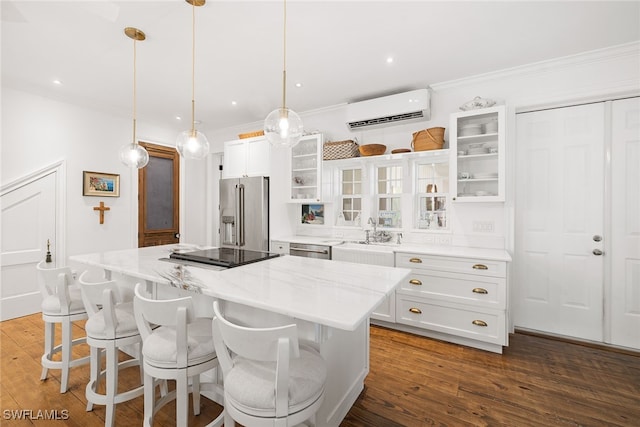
x=387 y=110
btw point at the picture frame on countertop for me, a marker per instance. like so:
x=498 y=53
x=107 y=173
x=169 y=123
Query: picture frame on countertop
x=100 y=184
x=313 y=214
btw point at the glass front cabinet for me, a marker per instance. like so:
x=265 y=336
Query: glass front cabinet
x=432 y=193
x=477 y=144
x=306 y=169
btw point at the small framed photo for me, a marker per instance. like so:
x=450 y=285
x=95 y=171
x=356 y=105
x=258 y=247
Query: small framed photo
x=100 y=184
x=313 y=214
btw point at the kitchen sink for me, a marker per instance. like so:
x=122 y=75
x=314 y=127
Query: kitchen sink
x=363 y=253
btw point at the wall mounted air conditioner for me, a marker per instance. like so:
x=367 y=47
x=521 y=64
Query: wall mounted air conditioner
x=387 y=110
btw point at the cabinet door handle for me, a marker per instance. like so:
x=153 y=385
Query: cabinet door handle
x=479 y=323
x=480 y=291
x=415 y=310
x=480 y=267
x=416 y=260
x=415 y=282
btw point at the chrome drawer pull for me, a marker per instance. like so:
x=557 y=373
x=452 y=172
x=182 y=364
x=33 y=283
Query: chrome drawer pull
x=479 y=323
x=480 y=291
x=416 y=260
x=415 y=310
x=415 y=282
x=480 y=267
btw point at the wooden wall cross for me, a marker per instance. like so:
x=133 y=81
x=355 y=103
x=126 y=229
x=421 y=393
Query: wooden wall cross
x=101 y=208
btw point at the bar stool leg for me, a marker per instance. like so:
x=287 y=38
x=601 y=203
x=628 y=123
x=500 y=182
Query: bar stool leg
x=94 y=373
x=149 y=400
x=195 y=381
x=182 y=400
x=66 y=355
x=112 y=385
x=49 y=339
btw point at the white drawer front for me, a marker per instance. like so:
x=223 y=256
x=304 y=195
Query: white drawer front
x=488 y=326
x=456 y=265
x=479 y=291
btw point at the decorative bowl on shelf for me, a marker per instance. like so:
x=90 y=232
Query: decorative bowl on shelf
x=372 y=149
x=477 y=103
x=401 y=150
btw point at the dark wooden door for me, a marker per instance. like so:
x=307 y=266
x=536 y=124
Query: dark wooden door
x=159 y=197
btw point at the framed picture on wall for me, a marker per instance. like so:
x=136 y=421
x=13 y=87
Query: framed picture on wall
x=100 y=184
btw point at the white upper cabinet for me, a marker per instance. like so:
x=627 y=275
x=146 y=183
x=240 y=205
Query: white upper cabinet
x=306 y=169
x=247 y=157
x=477 y=149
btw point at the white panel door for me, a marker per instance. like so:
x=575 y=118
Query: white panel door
x=28 y=220
x=625 y=223
x=559 y=208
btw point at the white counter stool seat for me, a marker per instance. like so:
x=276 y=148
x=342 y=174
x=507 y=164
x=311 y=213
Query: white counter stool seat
x=269 y=378
x=181 y=347
x=111 y=326
x=61 y=303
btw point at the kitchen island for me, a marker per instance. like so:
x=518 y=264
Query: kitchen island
x=331 y=302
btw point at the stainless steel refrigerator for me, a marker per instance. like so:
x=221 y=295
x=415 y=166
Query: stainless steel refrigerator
x=244 y=213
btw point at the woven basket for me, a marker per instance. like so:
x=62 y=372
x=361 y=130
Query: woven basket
x=340 y=150
x=251 y=134
x=372 y=149
x=428 y=139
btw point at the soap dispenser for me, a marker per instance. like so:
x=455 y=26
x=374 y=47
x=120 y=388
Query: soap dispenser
x=357 y=221
x=340 y=221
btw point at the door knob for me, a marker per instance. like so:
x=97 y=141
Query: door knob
x=597 y=238
x=597 y=252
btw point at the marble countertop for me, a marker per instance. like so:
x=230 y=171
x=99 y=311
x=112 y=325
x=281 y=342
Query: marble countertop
x=440 y=250
x=331 y=293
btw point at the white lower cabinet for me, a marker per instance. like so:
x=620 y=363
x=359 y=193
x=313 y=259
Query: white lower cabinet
x=461 y=300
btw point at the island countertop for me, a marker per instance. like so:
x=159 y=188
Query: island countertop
x=332 y=293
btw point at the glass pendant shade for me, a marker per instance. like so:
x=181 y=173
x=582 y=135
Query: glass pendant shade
x=192 y=144
x=134 y=155
x=283 y=128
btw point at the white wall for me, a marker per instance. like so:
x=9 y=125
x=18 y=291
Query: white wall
x=89 y=140
x=580 y=78
x=37 y=132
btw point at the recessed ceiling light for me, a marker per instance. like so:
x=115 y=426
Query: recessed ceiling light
x=234 y=103
x=298 y=84
x=389 y=60
x=57 y=82
x=178 y=118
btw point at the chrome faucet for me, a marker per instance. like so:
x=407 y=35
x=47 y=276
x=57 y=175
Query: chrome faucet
x=398 y=237
x=372 y=222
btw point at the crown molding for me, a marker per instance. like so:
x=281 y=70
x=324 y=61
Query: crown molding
x=600 y=55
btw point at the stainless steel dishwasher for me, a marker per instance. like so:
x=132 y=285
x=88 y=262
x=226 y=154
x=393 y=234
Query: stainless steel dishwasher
x=310 y=251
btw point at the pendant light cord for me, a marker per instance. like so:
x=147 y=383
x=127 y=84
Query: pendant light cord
x=193 y=68
x=284 y=58
x=134 y=91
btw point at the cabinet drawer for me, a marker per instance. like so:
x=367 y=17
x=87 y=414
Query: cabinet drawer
x=280 y=247
x=471 y=289
x=477 y=266
x=482 y=325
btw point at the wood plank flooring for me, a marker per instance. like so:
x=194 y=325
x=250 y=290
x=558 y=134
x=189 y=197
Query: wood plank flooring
x=414 y=381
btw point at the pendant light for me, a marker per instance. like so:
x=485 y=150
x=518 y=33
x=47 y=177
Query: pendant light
x=283 y=127
x=192 y=144
x=133 y=155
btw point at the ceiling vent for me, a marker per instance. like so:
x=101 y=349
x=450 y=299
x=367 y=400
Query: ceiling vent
x=389 y=110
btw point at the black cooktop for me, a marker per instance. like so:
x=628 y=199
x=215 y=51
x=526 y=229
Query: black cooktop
x=224 y=257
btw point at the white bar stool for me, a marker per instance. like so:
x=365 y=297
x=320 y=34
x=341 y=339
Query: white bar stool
x=181 y=347
x=110 y=327
x=61 y=303
x=270 y=378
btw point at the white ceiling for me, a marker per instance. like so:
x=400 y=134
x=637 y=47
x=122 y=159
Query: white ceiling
x=337 y=49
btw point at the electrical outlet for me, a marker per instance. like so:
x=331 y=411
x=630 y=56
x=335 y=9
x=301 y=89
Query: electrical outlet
x=483 y=226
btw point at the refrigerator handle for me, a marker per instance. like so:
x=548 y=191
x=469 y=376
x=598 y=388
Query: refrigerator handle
x=240 y=214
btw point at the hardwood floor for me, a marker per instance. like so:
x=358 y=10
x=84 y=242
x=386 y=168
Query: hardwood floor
x=414 y=381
